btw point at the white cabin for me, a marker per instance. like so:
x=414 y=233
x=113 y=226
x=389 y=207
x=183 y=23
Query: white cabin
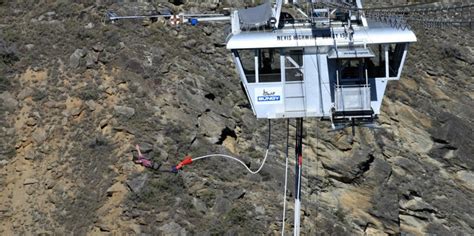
x=336 y=69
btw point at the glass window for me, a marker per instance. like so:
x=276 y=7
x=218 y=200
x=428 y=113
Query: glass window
x=376 y=64
x=247 y=59
x=268 y=61
x=269 y=65
x=351 y=68
x=294 y=65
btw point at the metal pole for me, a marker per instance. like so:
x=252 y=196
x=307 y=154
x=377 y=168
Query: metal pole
x=213 y=18
x=298 y=170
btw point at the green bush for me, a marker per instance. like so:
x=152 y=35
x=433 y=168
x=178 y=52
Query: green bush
x=90 y=93
x=4 y=84
x=160 y=191
x=39 y=95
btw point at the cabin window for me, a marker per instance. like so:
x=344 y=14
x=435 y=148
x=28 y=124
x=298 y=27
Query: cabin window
x=260 y=65
x=247 y=59
x=351 y=69
x=294 y=65
x=395 y=55
x=269 y=65
x=376 y=64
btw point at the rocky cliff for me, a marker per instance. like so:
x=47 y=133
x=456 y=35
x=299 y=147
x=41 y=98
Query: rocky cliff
x=77 y=94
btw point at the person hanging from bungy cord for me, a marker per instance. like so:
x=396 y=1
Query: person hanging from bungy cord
x=141 y=159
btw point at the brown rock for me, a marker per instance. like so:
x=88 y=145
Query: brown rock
x=39 y=135
x=30 y=190
x=91 y=59
x=4 y=209
x=53 y=104
x=467 y=178
x=30 y=181
x=74 y=59
x=98 y=47
x=104 y=227
x=124 y=111
x=172 y=228
x=49 y=183
x=8 y=100
x=31 y=121
x=3 y=163
x=26 y=92
x=116 y=188
x=92 y=105
x=212 y=126
x=162 y=216
x=30 y=155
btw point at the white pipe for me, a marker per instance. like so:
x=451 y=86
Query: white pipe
x=169 y=15
x=296 y=231
x=217 y=18
x=366 y=78
x=202 y=15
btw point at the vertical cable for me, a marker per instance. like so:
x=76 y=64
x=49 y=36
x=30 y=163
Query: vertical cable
x=286 y=176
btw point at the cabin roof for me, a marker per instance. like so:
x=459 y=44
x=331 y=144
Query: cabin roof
x=375 y=33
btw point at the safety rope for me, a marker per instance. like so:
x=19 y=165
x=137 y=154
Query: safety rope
x=188 y=159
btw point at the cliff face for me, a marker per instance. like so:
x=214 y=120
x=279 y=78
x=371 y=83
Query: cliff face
x=77 y=94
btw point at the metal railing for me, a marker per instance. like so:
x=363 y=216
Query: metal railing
x=352 y=97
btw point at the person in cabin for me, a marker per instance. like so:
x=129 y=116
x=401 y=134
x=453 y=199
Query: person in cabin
x=267 y=65
x=142 y=160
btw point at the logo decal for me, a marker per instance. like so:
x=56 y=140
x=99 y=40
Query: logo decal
x=268 y=95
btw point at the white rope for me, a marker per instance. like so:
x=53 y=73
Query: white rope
x=236 y=159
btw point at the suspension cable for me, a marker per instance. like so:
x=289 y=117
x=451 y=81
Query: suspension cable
x=406 y=6
x=434 y=14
